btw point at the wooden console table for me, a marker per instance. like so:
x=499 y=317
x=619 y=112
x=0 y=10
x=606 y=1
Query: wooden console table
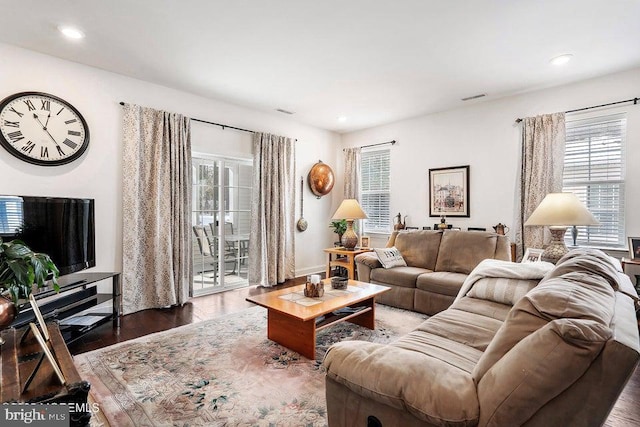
x=17 y=362
x=343 y=258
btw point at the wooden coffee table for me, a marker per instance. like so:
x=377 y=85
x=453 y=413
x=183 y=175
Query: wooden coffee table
x=294 y=324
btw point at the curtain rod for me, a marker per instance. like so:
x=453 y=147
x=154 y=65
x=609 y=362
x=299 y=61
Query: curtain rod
x=216 y=124
x=375 y=145
x=634 y=100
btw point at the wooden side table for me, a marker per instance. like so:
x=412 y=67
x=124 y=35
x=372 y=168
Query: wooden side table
x=624 y=261
x=632 y=261
x=341 y=257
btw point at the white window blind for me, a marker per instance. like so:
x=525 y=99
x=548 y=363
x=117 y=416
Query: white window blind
x=594 y=171
x=375 y=189
x=10 y=215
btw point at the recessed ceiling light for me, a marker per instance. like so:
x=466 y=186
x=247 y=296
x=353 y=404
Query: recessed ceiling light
x=342 y=119
x=562 y=59
x=71 y=32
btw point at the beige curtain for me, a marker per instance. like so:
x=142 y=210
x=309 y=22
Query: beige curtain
x=156 y=241
x=542 y=163
x=271 y=252
x=352 y=173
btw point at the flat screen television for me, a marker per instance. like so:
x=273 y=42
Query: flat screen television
x=63 y=228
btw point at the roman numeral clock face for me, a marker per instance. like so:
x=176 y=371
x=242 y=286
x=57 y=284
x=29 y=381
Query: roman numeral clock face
x=42 y=129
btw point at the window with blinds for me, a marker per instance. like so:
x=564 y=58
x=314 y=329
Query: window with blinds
x=375 y=190
x=594 y=171
x=10 y=215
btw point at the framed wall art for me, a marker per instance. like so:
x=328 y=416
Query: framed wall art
x=449 y=191
x=634 y=247
x=532 y=255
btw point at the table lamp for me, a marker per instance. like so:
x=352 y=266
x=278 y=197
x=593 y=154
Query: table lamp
x=349 y=210
x=559 y=211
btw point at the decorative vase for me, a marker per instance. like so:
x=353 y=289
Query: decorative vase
x=8 y=312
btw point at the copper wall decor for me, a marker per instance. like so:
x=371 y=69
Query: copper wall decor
x=320 y=179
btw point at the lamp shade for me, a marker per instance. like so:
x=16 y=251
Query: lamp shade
x=349 y=209
x=561 y=209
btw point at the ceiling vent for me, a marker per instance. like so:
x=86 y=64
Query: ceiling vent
x=469 y=98
x=284 y=111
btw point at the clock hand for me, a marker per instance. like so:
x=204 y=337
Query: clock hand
x=47 y=123
x=35 y=116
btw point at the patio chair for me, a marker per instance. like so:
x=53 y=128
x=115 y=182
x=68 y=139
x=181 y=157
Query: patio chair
x=230 y=254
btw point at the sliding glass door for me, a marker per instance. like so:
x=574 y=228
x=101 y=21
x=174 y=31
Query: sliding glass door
x=221 y=213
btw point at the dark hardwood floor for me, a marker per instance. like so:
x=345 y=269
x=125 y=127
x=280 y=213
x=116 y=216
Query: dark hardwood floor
x=149 y=321
x=626 y=412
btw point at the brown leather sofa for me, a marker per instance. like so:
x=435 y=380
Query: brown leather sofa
x=560 y=356
x=438 y=262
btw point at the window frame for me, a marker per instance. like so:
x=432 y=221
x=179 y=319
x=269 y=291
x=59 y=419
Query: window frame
x=601 y=206
x=383 y=222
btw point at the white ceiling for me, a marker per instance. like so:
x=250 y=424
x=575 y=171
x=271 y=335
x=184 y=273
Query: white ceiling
x=371 y=61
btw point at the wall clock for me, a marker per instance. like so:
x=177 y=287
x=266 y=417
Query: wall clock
x=42 y=129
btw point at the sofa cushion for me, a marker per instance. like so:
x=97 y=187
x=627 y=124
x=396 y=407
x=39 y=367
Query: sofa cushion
x=485 y=308
x=461 y=251
x=419 y=248
x=390 y=257
x=441 y=282
x=398 y=276
x=498 y=289
x=586 y=264
x=473 y=330
x=421 y=378
x=528 y=376
x=370 y=259
x=455 y=353
x=578 y=293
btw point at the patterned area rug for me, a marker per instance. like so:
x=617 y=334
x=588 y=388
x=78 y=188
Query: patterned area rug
x=221 y=372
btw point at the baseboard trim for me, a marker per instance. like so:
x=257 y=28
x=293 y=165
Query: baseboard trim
x=311 y=270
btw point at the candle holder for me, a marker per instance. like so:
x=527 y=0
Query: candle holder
x=313 y=290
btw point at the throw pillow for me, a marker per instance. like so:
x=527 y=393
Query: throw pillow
x=390 y=257
x=504 y=291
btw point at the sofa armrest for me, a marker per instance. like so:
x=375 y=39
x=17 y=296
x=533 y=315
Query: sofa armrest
x=365 y=263
x=428 y=388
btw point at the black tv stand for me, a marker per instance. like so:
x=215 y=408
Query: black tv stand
x=78 y=292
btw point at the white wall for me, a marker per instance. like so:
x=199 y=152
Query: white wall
x=485 y=136
x=98 y=173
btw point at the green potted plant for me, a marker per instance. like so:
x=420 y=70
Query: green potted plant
x=339 y=227
x=21 y=269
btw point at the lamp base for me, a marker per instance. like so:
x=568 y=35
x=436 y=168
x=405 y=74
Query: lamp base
x=556 y=248
x=349 y=238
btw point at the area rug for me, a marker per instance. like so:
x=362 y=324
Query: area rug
x=221 y=372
